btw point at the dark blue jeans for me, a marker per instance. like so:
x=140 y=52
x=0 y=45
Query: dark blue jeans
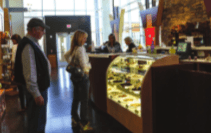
x=36 y=115
x=80 y=95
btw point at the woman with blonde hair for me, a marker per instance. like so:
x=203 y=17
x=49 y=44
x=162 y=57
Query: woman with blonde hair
x=80 y=58
x=129 y=43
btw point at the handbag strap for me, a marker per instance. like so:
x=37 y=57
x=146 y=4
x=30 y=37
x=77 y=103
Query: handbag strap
x=73 y=57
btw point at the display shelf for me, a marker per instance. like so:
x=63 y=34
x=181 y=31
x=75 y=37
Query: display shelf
x=2 y=103
x=128 y=82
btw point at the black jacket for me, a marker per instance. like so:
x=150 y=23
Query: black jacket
x=43 y=77
x=116 y=46
x=130 y=47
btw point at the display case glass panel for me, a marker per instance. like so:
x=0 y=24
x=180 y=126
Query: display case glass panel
x=125 y=76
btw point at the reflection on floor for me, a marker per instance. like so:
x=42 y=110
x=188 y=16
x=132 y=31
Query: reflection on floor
x=58 y=111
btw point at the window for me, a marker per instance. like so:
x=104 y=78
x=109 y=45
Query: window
x=33 y=13
x=100 y=4
x=62 y=8
x=92 y=15
x=90 y=5
x=124 y=3
x=48 y=13
x=63 y=13
x=26 y=20
x=48 y=5
x=157 y=2
x=134 y=5
x=65 y=4
x=132 y=22
x=135 y=15
x=80 y=4
x=33 y=4
x=80 y=13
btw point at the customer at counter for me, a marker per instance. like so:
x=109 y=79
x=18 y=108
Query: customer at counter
x=112 y=46
x=130 y=44
x=78 y=54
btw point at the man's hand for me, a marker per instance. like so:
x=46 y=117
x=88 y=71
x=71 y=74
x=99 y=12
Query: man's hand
x=39 y=101
x=87 y=73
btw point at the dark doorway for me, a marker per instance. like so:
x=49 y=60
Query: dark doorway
x=64 y=26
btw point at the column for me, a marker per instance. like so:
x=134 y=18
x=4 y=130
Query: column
x=97 y=25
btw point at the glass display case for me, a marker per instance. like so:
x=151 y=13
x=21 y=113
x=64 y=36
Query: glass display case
x=125 y=76
x=130 y=89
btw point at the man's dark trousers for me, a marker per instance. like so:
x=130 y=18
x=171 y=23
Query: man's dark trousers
x=36 y=115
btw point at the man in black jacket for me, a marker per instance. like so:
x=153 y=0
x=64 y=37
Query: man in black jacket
x=33 y=69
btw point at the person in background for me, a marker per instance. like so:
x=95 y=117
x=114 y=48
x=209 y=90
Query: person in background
x=33 y=69
x=130 y=44
x=112 y=46
x=81 y=87
x=16 y=39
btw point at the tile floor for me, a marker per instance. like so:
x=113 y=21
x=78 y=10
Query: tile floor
x=58 y=111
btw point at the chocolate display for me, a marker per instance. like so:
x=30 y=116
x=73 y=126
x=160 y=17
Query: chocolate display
x=142 y=62
x=128 y=99
x=126 y=84
x=117 y=81
x=135 y=104
x=123 y=95
x=136 y=89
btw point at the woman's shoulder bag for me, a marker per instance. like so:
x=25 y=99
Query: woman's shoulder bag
x=76 y=72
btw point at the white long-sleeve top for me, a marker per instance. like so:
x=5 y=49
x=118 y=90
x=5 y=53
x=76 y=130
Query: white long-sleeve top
x=14 y=49
x=81 y=58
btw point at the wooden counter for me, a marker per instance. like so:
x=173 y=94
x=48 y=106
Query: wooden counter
x=203 y=48
x=207 y=50
x=199 y=64
x=97 y=76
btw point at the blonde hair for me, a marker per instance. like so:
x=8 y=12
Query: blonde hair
x=129 y=39
x=76 y=39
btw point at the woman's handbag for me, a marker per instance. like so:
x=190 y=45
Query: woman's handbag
x=76 y=72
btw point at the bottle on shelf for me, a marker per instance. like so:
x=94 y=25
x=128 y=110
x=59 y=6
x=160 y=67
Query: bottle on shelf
x=152 y=47
x=172 y=50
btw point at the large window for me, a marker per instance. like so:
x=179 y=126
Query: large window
x=41 y=8
x=132 y=21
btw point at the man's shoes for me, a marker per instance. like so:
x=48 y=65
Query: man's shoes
x=86 y=128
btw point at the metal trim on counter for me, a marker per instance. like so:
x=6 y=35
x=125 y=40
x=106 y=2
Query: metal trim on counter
x=104 y=55
x=192 y=48
x=196 y=61
x=107 y=55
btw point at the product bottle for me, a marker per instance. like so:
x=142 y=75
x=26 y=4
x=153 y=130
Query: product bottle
x=148 y=49
x=172 y=50
x=152 y=47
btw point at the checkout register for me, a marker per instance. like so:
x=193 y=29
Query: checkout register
x=183 y=50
